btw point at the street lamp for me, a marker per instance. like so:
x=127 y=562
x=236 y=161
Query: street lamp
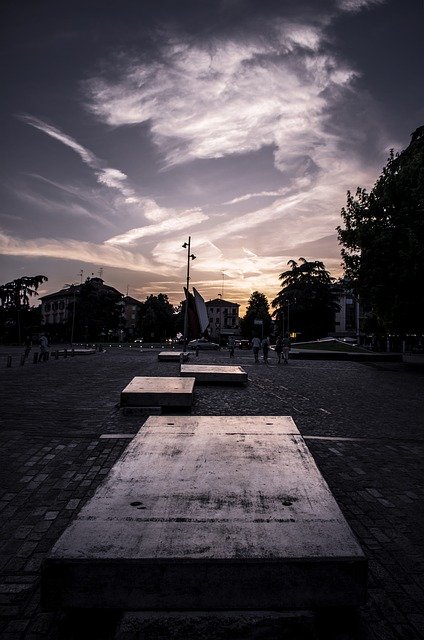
x=190 y=256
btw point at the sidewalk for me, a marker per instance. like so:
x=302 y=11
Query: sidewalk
x=61 y=431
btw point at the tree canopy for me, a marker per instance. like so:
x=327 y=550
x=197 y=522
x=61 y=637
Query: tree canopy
x=383 y=241
x=17 y=293
x=98 y=311
x=257 y=309
x=307 y=302
x=157 y=318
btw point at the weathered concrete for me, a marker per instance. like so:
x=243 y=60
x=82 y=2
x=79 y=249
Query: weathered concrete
x=160 y=392
x=209 y=513
x=192 y=625
x=173 y=356
x=214 y=373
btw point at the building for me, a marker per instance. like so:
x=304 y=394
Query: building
x=131 y=315
x=346 y=320
x=57 y=308
x=224 y=319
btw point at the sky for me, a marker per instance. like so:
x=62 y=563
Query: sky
x=128 y=127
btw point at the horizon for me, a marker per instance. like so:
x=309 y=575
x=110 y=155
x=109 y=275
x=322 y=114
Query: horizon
x=241 y=124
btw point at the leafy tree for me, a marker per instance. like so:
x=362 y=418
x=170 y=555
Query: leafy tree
x=383 y=241
x=16 y=294
x=98 y=311
x=17 y=318
x=307 y=295
x=157 y=318
x=257 y=309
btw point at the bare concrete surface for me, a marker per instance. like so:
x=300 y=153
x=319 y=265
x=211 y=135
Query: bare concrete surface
x=209 y=513
x=157 y=391
x=61 y=431
x=214 y=373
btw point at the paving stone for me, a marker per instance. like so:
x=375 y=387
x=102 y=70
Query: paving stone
x=372 y=420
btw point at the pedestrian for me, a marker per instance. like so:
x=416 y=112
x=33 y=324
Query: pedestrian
x=44 y=343
x=279 y=348
x=28 y=345
x=265 y=349
x=286 y=348
x=256 y=345
x=231 y=345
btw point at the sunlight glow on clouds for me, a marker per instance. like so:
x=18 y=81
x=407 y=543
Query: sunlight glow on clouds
x=283 y=94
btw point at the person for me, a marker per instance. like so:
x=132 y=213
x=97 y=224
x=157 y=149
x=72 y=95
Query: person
x=256 y=345
x=265 y=349
x=44 y=343
x=231 y=345
x=286 y=348
x=279 y=348
x=28 y=345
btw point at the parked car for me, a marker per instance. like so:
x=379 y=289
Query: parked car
x=201 y=343
x=244 y=344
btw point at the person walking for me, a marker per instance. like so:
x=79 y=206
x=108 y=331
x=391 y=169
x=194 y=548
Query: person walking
x=44 y=343
x=265 y=349
x=279 y=348
x=231 y=345
x=256 y=345
x=286 y=348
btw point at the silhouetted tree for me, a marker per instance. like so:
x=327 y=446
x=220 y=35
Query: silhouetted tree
x=383 y=241
x=157 y=318
x=16 y=316
x=307 y=299
x=257 y=309
x=98 y=312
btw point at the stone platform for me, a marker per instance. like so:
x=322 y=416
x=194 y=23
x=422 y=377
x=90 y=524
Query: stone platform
x=173 y=356
x=205 y=373
x=209 y=513
x=159 y=392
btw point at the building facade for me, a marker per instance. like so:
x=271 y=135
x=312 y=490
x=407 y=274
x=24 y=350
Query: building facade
x=224 y=319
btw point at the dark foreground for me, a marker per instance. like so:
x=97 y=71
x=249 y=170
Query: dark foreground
x=61 y=431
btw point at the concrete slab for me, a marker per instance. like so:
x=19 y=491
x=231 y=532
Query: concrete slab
x=219 y=625
x=204 y=373
x=145 y=391
x=173 y=356
x=209 y=513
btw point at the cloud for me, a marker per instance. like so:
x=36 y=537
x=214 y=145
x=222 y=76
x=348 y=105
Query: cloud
x=112 y=178
x=172 y=222
x=198 y=100
x=92 y=253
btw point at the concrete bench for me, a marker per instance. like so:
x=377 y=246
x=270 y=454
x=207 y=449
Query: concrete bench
x=173 y=356
x=204 y=373
x=145 y=391
x=209 y=513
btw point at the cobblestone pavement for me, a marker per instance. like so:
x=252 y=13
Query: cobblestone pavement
x=61 y=431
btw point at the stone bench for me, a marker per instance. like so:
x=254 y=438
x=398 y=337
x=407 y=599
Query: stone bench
x=208 y=373
x=145 y=391
x=209 y=513
x=173 y=356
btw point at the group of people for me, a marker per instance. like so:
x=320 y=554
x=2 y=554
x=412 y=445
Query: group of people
x=282 y=348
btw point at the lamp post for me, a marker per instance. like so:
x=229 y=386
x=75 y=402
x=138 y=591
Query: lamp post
x=190 y=256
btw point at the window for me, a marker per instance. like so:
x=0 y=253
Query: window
x=61 y=305
x=54 y=306
x=47 y=306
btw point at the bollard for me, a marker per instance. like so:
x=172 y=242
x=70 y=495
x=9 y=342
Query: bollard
x=35 y=358
x=73 y=353
x=23 y=360
x=9 y=361
x=56 y=354
x=46 y=356
x=65 y=353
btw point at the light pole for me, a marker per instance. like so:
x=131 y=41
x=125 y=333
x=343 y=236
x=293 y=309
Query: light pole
x=190 y=256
